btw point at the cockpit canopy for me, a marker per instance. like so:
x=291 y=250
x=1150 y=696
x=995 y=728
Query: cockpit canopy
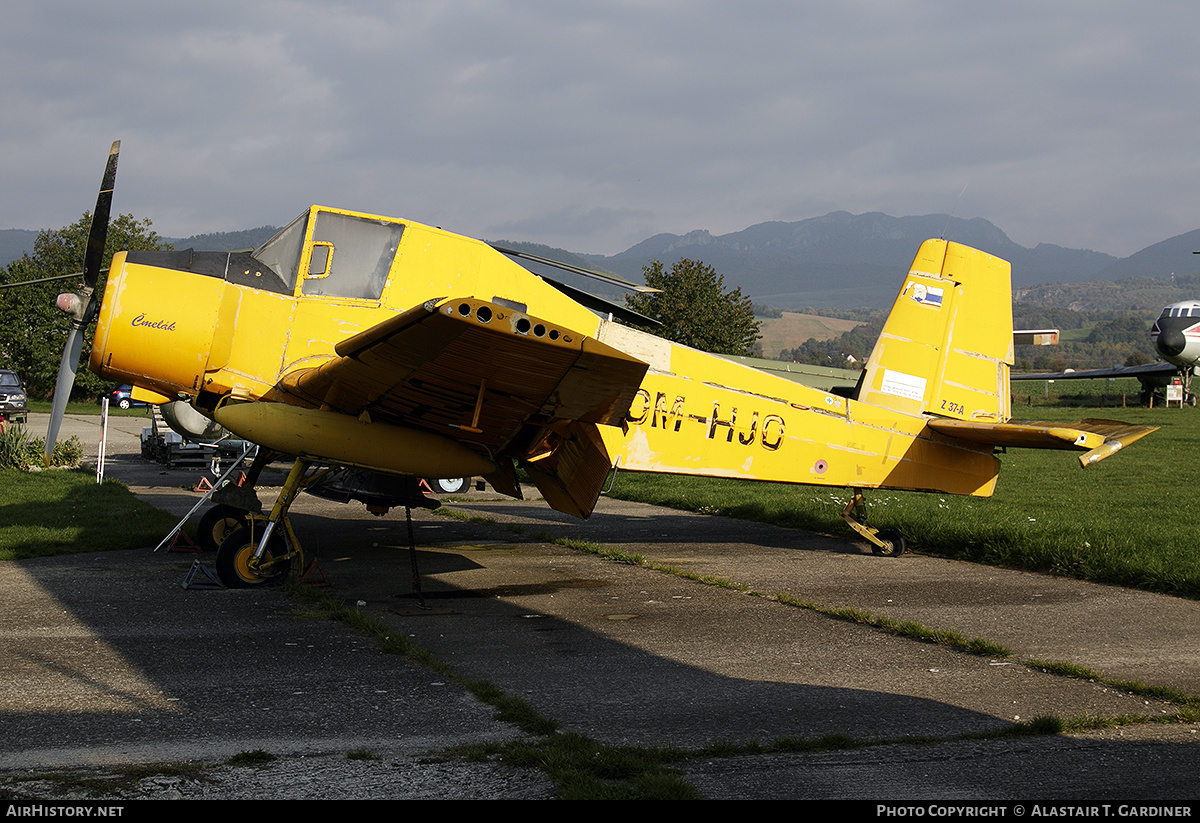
x=348 y=255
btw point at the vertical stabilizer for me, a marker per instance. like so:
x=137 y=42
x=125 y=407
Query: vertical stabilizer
x=947 y=344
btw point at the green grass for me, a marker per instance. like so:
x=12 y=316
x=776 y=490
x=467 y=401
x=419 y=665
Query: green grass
x=1129 y=520
x=65 y=512
x=91 y=407
x=1103 y=394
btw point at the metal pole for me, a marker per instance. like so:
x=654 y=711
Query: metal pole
x=103 y=440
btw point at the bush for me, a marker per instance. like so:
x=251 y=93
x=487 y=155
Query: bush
x=19 y=451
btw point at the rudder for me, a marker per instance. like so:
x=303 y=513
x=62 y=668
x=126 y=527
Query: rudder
x=947 y=345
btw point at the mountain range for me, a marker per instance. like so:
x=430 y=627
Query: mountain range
x=844 y=260
x=839 y=260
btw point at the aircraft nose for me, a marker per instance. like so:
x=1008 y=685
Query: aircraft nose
x=1170 y=342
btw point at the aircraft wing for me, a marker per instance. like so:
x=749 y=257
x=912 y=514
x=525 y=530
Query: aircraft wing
x=490 y=377
x=1100 y=438
x=1146 y=370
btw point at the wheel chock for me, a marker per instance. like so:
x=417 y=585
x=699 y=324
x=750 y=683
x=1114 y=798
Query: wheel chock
x=190 y=545
x=314 y=568
x=200 y=577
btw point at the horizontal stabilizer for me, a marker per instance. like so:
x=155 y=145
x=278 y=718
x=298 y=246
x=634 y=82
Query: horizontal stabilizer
x=1100 y=438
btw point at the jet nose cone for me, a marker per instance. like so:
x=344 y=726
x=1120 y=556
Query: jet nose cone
x=1170 y=342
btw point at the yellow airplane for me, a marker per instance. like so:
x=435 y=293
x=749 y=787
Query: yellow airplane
x=358 y=340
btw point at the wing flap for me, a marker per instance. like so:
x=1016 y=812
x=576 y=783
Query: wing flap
x=1099 y=438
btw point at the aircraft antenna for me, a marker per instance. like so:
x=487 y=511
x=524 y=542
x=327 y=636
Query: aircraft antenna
x=949 y=216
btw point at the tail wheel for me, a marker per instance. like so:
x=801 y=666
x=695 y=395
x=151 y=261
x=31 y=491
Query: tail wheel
x=218 y=523
x=893 y=541
x=234 y=557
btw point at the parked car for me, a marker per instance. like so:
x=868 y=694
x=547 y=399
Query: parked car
x=122 y=398
x=13 y=406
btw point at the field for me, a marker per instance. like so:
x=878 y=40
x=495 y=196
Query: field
x=793 y=328
x=1126 y=521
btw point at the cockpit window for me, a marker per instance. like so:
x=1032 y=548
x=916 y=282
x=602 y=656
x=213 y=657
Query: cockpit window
x=351 y=256
x=281 y=253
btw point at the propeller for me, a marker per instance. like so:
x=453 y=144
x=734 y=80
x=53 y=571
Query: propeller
x=81 y=305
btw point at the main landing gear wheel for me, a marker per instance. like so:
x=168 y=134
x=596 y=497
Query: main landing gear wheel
x=893 y=541
x=236 y=552
x=218 y=523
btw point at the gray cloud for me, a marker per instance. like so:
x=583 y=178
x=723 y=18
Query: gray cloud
x=592 y=125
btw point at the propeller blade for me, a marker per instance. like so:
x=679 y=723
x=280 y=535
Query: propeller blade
x=93 y=258
x=62 y=387
x=81 y=305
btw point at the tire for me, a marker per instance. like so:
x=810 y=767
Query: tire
x=450 y=485
x=234 y=555
x=895 y=543
x=218 y=523
x=124 y=403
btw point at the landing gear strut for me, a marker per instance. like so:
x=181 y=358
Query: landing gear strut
x=886 y=543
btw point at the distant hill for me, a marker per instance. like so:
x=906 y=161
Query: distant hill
x=16 y=242
x=1171 y=256
x=1143 y=282
x=1144 y=295
x=224 y=240
x=845 y=260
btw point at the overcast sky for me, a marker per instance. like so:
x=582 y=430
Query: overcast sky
x=593 y=125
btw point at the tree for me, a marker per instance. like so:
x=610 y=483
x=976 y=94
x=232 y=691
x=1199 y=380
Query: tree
x=32 y=330
x=695 y=309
